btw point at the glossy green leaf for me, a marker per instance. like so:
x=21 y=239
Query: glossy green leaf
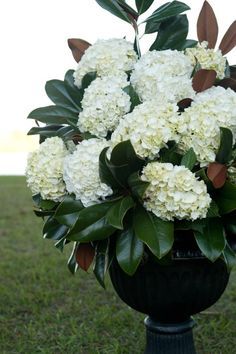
x=47 y=131
x=75 y=93
x=157 y=234
x=128 y=9
x=134 y=98
x=229 y=257
x=166 y=11
x=229 y=221
x=88 y=79
x=113 y=7
x=138 y=187
x=53 y=230
x=61 y=243
x=58 y=93
x=53 y=115
x=43 y=204
x=129 y=251
x=189 y=159
x=212 y=240
x=143 y=5
x=92 y=224
x=172 y=33
x=226 y=198
x=72 y=263
x=188 y=43
x=224 y=153
x=115 y=215
x=105 y=173
x=124 y=162
x=101 y=261
x=68 y=210
x=213 y=211
x=170 y=154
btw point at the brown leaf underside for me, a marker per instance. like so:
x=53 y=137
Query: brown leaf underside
x=229 y=40
x=217 y=174
x=85 y=255
x=207 y=27
x=203 y=79
x=228 y=82
x=78 y=47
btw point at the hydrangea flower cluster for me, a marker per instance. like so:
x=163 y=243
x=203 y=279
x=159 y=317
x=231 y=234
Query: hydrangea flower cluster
x=110 y=57
x=164 y=74
x=207 y=58
x=174 y=192
x=200 y=123
x=149 y=127
x=104 y=104
x=81 y=172
x=44 y=172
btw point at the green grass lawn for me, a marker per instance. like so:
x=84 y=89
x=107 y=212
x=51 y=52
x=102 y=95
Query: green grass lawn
x=44 y=309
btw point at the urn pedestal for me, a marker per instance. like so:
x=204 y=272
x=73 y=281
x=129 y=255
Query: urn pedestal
x=170 y=294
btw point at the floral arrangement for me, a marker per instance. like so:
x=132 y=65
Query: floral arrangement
x=137 y=148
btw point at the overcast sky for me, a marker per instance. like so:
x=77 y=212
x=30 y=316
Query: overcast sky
x=34 y=47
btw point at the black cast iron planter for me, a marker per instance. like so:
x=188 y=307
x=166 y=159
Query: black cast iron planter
x=170 y=294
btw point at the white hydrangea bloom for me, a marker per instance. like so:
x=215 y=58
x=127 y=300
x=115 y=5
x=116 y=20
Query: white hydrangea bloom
x=44 y=171
x=200 y=124
x=104 y=104
x=81 y=172
x=106 y=57
x=149 y=127
x=207 y=58
x=174 y=192
x=165 y=74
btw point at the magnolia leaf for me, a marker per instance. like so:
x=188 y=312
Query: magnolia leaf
x=58 y=93
x=166 y=11
x=134 y=98
x=228 y=83
x=225 y=150
x=207 y=27
x=211 y=240
x=54 y=115
x=105 y=173
x=229 y=40
x=78 y=47
x=157 y=234
x=143 y=5
x=217 y=174
x=53 y=230
x=138 y=187
x=203 y=79
x=226 y=198
x=213 y=211
x=189 y=159
x=232 y=69
x=115 y=215
x=129 y=10
x=87 y=79
x=84 y=255
x=72 y=263
x=185 y=103
x=68 y=210
x=129 y=251
x=92 y=224
x=113 y=7
x=229 y=257
x=47 y=131
x=171 y=34
x=101 y=261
